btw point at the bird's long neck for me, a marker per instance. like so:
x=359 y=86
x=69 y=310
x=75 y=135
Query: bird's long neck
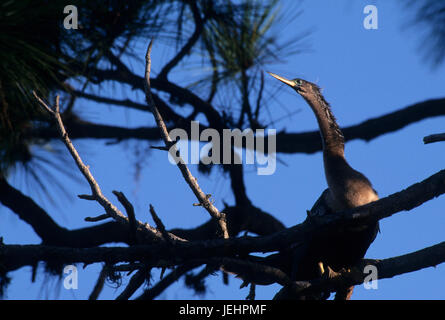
x=331 y=135
x=348 y=187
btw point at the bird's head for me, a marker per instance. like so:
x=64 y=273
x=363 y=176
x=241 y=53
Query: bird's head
x=303 y=87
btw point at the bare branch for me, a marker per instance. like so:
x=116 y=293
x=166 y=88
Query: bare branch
x=166 y=110
x=163 y=284
x=252 y=271
x=160 y=224
x=434 y=138
x=251 y=295
x=99 y=283
x=86 y=197
x=135 y=283
x=51 y=111
x=181 y=251
x=110 y=209
x=85 y=170
x=287 y=142
x=304 y=142
x=50 y=232
x=29 y=211
x=98 y=218
x=189 y=178
x=130 y=213
x=386 y=268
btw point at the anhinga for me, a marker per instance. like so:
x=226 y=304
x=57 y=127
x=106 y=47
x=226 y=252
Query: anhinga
x=347 y=188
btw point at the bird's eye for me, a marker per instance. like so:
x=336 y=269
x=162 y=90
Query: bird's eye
x=298 y=82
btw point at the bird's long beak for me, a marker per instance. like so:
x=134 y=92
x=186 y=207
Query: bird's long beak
x=286 y=81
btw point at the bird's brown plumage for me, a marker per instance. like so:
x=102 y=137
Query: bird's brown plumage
x=347 y=188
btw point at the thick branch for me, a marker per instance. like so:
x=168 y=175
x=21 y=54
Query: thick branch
x=49 y=231
x=305 y=142
x=386 y=268
x=86 y=130
x=415 y=195
x=253 y=220
x=181 y=94
x=30 y=212
x=407 y=199
x=310 y=142
x=166 y=111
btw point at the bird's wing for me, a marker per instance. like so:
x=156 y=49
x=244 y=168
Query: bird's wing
x=321 y=207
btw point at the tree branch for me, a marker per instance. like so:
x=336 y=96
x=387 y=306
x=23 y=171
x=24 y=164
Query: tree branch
x=434 y=138
x=159 y=224
x=179 y=252
x=386 y=268
x=30 y=212
x=110 y=209
x=166 y=111
x=53 y=234
x=86 y=130
x=99 y=283
x=135 y=283
x=129 y=209
x=189 y=178
x=14 y=255
x=304 y=142
x=199 y=25
x=85 y=170
x=310 y=142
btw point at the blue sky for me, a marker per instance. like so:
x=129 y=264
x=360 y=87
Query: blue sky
x=364 y=73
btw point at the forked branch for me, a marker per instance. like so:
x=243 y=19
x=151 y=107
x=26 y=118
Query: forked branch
x=189 y=178
x=96 y=193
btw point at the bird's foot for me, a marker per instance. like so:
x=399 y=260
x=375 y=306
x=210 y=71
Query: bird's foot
x=325 y=271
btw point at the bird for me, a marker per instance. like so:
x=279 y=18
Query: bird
x=347 y=188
